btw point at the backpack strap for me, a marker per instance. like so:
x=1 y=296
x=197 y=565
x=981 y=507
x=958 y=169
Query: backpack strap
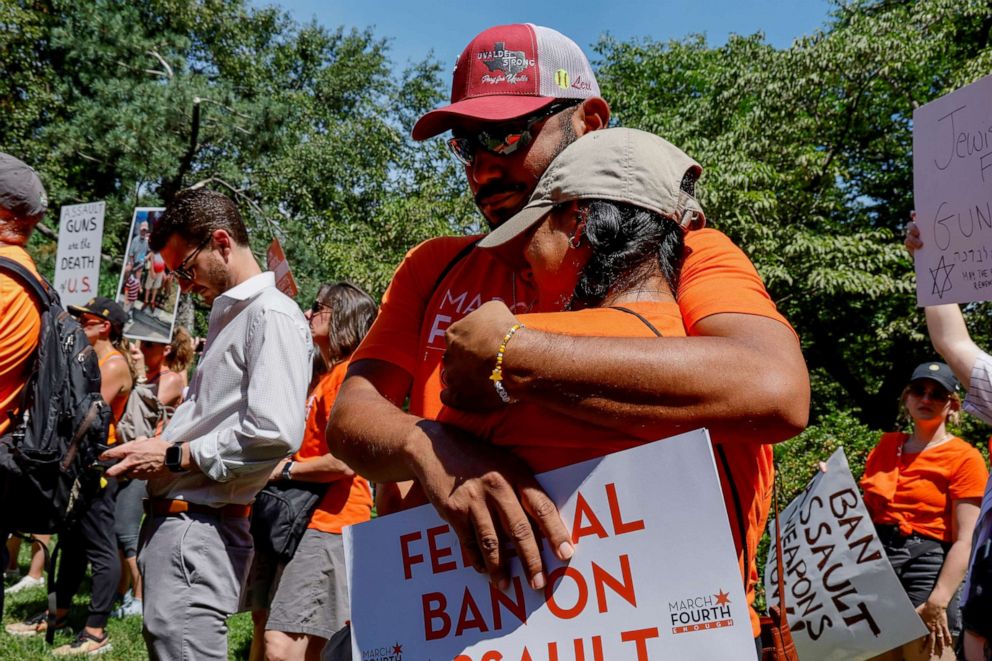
x=459 y=256
x=639 y=316
x=34 y=285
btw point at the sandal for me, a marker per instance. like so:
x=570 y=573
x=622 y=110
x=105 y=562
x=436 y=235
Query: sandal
x=85 y=644
x=35 y=625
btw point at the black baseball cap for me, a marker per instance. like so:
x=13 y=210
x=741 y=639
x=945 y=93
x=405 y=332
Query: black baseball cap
x=21 y=191
x=103 y=307
x=936 y=371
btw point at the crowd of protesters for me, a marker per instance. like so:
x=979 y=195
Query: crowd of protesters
x=608 y=316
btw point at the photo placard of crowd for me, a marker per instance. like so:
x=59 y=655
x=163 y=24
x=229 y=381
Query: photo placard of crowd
x=844 y=601
x=952 y=188
x=654 y=575
x=148 y=293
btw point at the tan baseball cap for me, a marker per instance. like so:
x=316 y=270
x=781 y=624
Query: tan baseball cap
x=620 y=165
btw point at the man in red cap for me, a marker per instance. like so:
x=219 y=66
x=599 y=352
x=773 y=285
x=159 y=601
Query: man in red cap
x=520 y=95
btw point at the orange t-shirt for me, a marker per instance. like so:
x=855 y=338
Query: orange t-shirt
x=916 y=491
x=717 y=277
x=547 y=439
x=348 y=500
x=20 y=326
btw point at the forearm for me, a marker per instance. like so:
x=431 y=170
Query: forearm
x=951 y=573
x=384 y=451
x=757 y=383
x=325 y=468
x=950 y=338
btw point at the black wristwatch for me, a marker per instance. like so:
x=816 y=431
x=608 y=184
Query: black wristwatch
x=174 y=458
x=286 y=468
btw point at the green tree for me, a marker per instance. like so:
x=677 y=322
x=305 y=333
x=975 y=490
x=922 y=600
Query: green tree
x=807 y=152
x=307 y=127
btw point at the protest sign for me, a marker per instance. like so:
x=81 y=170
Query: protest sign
x=276 y=261
x=952 y=185
x=77 y=262
x=654 y=575
x=148 y=294
x=843 y=599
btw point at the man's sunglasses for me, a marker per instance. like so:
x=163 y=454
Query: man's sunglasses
x=182 y=271
x=501 y=140
x=937 y=394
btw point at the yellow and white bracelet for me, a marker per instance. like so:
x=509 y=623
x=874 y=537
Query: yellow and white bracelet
x=497 y=376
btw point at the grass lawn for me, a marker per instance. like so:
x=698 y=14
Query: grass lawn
x=125 y=634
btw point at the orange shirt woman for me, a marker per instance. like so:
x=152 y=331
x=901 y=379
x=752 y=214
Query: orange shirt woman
x=922 y=490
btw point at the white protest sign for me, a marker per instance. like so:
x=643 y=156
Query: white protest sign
x=77 y=262
x=654 y=576
x=952 y=185
x=843 y=600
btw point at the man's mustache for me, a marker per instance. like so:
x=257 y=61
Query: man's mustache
x=495 y=188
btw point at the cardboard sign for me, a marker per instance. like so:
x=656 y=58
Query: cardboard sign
x=952 y=185
x=843 y=600
x=147 y=292
x=276 y=260
x=654 y=575
x=77 y=262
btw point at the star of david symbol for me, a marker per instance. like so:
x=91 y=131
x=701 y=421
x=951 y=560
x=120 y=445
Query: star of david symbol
x=942 y=278
x=722 y=598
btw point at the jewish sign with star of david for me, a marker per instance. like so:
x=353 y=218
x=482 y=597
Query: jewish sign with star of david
x=952 y=185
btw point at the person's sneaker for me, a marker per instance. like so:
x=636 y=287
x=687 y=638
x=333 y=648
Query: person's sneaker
x=26 y=583
x=33 y=626
x=85 y=644
x=129 y=606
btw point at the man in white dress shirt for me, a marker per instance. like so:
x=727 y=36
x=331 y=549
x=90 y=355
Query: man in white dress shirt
x=244 y=412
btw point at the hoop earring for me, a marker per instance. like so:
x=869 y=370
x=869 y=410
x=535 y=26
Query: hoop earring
x=574 y=241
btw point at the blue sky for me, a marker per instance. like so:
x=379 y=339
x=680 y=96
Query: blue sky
x=445 y=26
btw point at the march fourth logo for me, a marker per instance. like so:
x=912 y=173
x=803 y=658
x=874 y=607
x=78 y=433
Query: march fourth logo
x=701 y=613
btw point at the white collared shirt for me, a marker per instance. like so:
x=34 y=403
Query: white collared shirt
x=245 y=409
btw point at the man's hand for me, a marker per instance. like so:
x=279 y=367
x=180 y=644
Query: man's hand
x=486 y=494
x=140 y=459
x=473 y=342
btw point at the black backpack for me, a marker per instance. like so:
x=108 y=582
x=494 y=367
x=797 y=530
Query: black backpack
x=48 y=455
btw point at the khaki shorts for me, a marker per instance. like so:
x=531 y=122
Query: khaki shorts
x=307 y=596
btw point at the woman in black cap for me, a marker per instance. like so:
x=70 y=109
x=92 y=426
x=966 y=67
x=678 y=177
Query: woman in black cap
x=923 y=490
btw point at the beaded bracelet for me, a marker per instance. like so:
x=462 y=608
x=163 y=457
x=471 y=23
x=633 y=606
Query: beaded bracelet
x=497 y=376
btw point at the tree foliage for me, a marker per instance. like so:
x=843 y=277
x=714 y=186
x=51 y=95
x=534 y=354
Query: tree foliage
x=306 y=126
x=807 y=153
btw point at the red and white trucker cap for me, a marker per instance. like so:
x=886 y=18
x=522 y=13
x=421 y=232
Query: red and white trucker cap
x=508 y=71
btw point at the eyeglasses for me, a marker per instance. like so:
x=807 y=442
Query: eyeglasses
x=506 y=140
x=316 y=308
x=182 y=271
x=936 y=393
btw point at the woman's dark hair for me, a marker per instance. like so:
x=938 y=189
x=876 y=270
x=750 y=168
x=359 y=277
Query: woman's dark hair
x=194 y=214
x=628 y=244
x=352 y=314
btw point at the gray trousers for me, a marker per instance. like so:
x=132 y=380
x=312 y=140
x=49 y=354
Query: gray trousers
x=194 y=568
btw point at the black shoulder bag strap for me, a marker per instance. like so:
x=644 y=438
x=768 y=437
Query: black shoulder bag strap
x=459 y=256
x=639 y=316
